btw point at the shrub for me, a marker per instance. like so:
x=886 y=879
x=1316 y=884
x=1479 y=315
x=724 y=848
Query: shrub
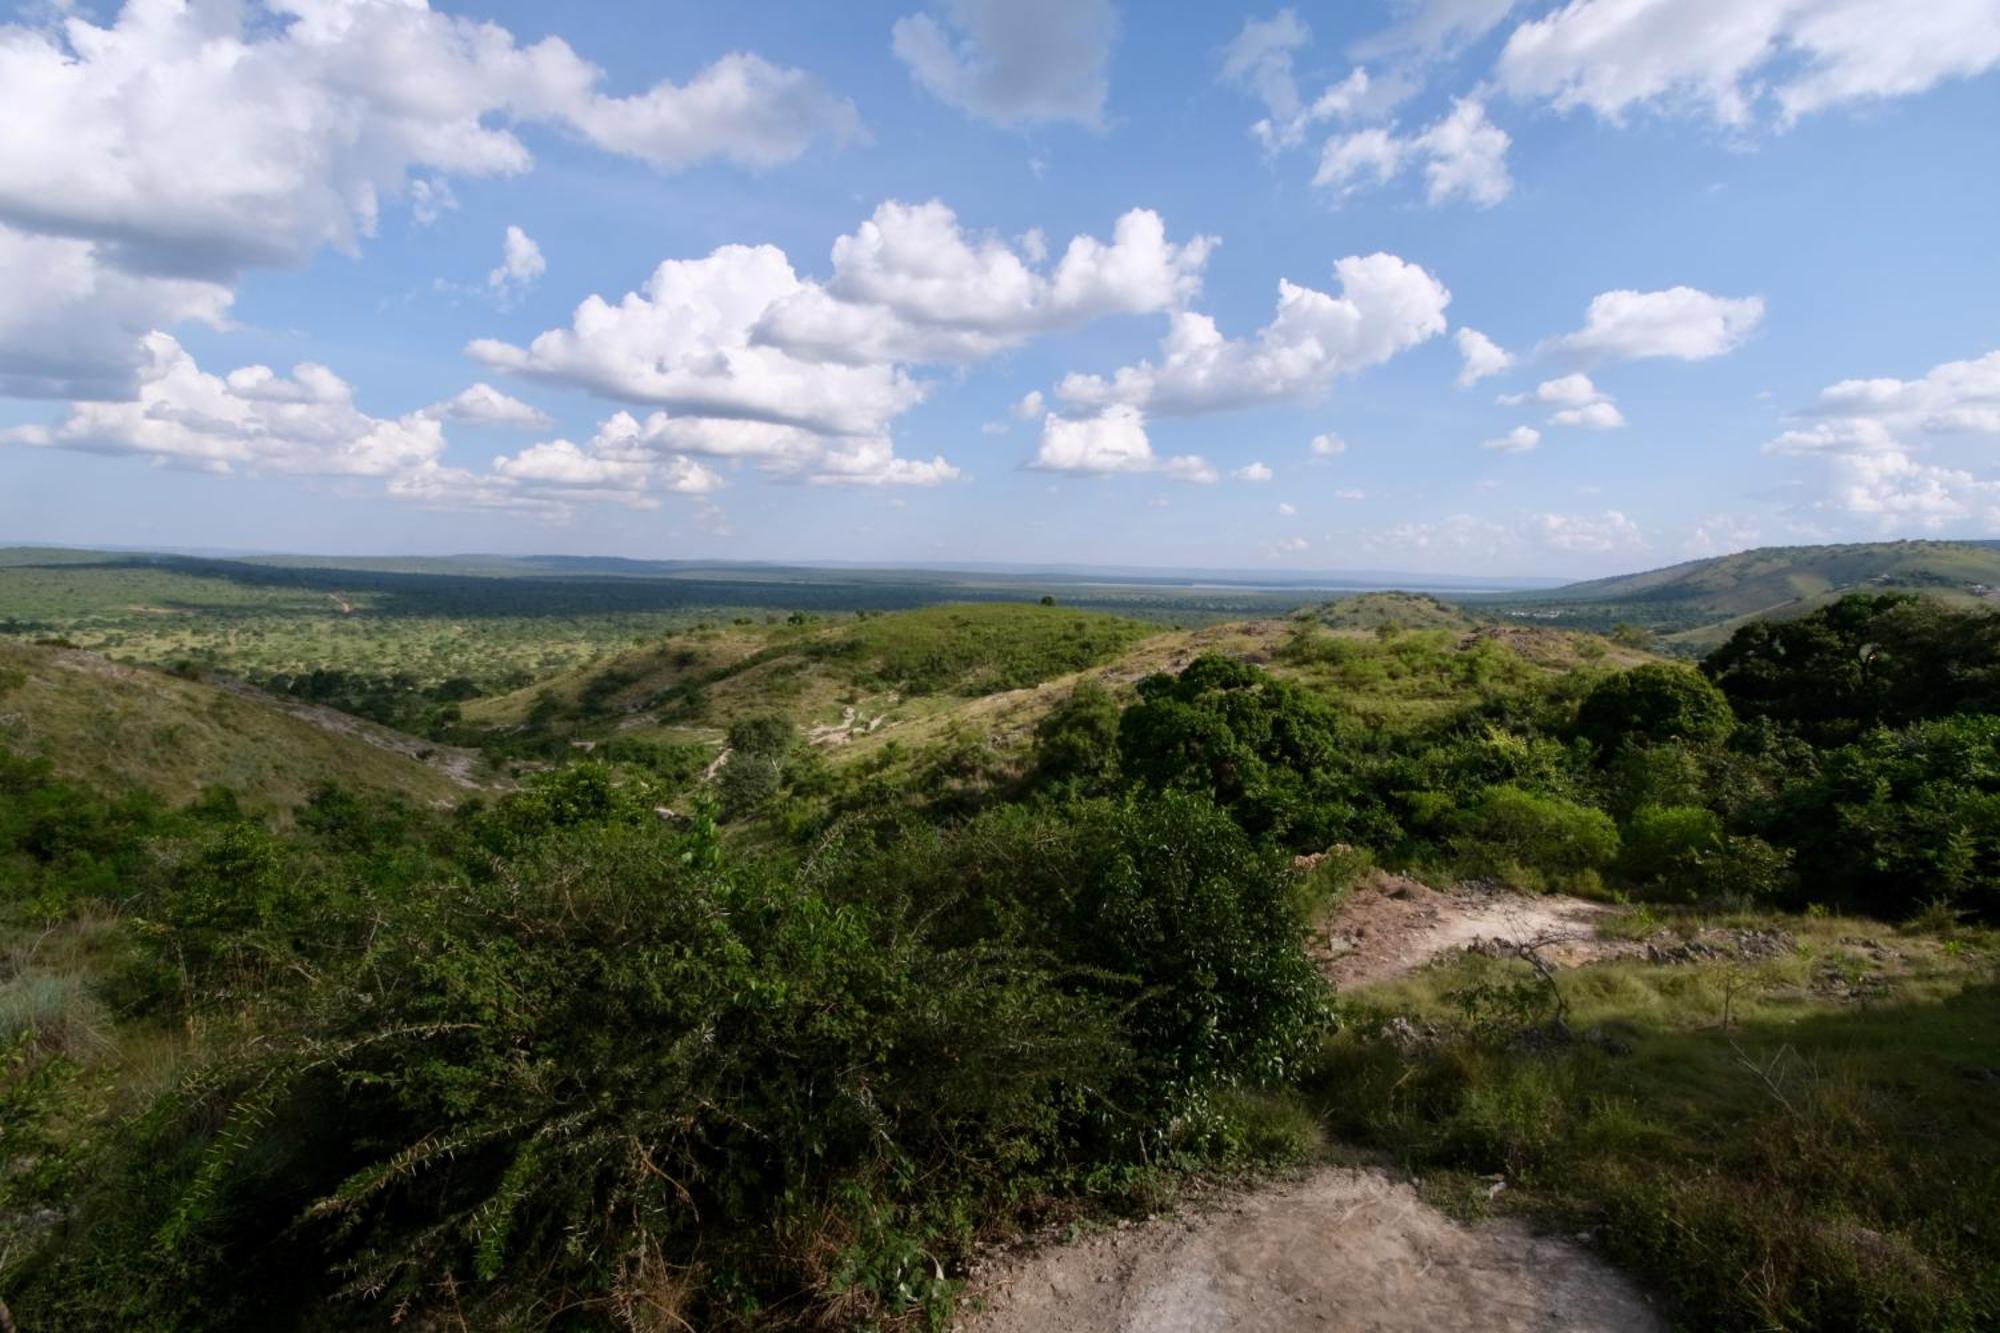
x=1277 y=758
x=1078 y=740
x=1510 y=830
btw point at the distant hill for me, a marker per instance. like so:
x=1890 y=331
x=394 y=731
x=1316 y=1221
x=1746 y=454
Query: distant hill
x=1395 y=610
x=124 y=726
x=1696 y=605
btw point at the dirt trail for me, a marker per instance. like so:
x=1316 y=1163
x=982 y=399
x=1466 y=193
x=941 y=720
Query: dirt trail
x=1341 y=1249
x=455 y=762
x=1389 y=925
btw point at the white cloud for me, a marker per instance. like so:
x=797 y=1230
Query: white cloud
x=1385 y=306
x=1032 y=405
x=1581 y=402
x=484 y=405
x=910 y=284
x=1868 y=433
x=1464 y=155
x=1328 y=445
x=1108 y=442
x=1014 y=62
x=1516 y=441
x=1732 y=57
x=1680 y=322
x=1260 y=62
x=203 y=139
x=521 y=263
x=1565 y=391
x=1482 y=357
x=1252 y=472
x=252 y=420
x=1286 y=510
x=1349 y=493
x=1591 y=416
x=685 y=342
x=70 y=323
x=1286 y=546
x=738 y=337
x=1609 y=531
x=182 y=144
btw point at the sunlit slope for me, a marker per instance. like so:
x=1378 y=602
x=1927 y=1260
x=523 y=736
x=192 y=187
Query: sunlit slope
x=1701 y=601
x=116 y=725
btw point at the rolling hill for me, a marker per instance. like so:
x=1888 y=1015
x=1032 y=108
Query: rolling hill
x=1696 y=605
x=122 y=726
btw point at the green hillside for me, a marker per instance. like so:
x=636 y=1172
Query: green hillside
x=123 y=727
x=1695 y=605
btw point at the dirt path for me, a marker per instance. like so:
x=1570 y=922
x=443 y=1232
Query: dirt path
x=1341 y=1249
x=1389 y=925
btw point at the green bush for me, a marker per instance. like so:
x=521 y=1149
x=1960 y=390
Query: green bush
x=1509 y=830
x=1654 y=703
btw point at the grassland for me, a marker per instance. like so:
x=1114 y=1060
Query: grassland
x=122 y=727
x=1779 y=1121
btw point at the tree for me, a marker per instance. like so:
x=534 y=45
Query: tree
x=1653 y=704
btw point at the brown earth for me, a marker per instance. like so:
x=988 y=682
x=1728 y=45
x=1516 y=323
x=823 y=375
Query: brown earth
x=1390 y=924
x=1341 y=1249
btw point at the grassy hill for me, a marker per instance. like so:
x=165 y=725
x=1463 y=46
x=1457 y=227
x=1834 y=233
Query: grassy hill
x=122 y=726
x=1696 y=605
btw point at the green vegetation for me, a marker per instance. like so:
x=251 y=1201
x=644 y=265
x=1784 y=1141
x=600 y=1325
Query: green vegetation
x=1696 y=606
x=1764 y=1148
x=783 y=958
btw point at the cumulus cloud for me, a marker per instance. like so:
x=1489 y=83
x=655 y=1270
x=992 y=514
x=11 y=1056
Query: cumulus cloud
x=521 y=263
x=1014 y=62
x=1252 y=472
x=911 y=284
x=484 y=405
x=1680 y=322
x=202 y=139
x=252 y=420
x=257 y=421
x=740 y=337
x=1287 y=510
x=685 y=342
x=1516 y=441
x=1480 y=357
x=153 y=160
x=1580 y=402
x=1328 y=445
x=1385 y=306
x=1463 y=155
x=70 y=324
x=1601 y=415
x=1109 y=442
x=1734 y=58
x=1429 y=28
x=1869 y=433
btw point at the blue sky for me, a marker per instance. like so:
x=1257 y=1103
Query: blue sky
x=1725 y=269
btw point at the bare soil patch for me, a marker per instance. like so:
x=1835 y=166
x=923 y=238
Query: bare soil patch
x=1341 y=1249
x=1389 y=925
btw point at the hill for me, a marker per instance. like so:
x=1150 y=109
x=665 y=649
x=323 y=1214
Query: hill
x=1696 y=605
x=121 y=726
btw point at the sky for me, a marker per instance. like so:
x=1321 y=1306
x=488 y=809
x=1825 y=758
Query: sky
x=1494 y=287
